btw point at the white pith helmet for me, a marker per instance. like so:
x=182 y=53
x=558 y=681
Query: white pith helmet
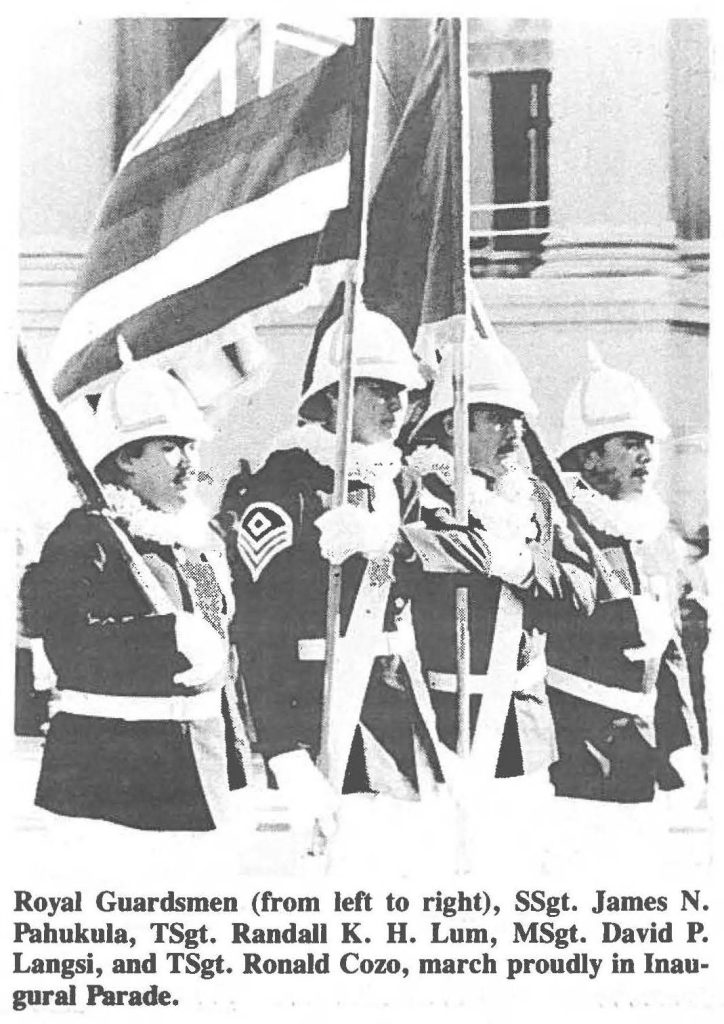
x=381 y=352
x=494 y=377
x=141 y=402
x=608 y=402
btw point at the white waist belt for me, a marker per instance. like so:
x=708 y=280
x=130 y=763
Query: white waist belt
x=525 y=679
x=641 y=704
x=315 y=648
x=180 y=708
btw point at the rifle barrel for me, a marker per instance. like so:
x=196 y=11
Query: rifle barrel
x=82 y=478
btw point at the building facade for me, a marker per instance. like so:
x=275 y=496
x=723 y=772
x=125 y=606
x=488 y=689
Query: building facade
x=589 y=198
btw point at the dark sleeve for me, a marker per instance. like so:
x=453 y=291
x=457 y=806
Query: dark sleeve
x=430 y=539
x=85 y=604
x=439 y=545
x=559 y=569
x=271 y=548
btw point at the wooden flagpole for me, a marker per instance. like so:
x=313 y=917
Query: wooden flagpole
x=345 y=408
x=460 y=184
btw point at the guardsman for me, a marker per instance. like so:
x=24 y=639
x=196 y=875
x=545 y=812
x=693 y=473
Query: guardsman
x=145 y=731
x=521 y=565
x=282 y=534
x=619 y=684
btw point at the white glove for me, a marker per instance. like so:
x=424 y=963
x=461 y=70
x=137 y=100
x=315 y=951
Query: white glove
x=202 y=646
x=347 y=530
x=307 y=790
x=510 y=560
x=655 y=627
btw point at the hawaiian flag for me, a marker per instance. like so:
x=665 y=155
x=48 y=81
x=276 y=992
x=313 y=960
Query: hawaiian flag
x=220 y=220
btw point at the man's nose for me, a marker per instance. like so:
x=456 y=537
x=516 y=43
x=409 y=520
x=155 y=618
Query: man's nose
x=645 y=452
x=187 y=456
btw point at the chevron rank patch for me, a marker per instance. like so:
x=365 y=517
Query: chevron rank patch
x=264 y=530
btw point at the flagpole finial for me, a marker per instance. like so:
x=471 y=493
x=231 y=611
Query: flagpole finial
x=124 y=353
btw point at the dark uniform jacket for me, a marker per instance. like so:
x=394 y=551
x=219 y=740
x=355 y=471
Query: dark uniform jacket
x=617 y=720
x=560 y=576
x=103 y=759
x=281 y=581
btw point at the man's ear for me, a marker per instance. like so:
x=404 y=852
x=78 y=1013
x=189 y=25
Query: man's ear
x=447 y=423
x=124 y=461
x=331 y=401
x=590 y=461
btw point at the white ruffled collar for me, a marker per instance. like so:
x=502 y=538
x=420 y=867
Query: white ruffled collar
x=507 y=507
x=188 y=527
x=371 y=464
x=642 y=517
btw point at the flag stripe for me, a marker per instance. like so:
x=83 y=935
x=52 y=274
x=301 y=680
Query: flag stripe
x=193 y=313
x=217 y=222
x=228 y=163
x=297 y=209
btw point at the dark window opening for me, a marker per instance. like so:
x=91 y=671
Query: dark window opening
x=519 y=118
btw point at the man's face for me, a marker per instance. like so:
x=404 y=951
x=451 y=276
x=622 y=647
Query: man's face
x=496 y=439
x=378 y=412
x=620 y=466
x=163 y=475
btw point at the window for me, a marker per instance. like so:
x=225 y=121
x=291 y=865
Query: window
x=509 y=227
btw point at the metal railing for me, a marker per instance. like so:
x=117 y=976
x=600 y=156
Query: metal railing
x=507 y=251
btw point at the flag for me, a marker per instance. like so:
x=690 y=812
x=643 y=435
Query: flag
x=414 y=271
x=218 y=221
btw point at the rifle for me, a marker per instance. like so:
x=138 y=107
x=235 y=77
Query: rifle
x=90 y=491
x=94 y=500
